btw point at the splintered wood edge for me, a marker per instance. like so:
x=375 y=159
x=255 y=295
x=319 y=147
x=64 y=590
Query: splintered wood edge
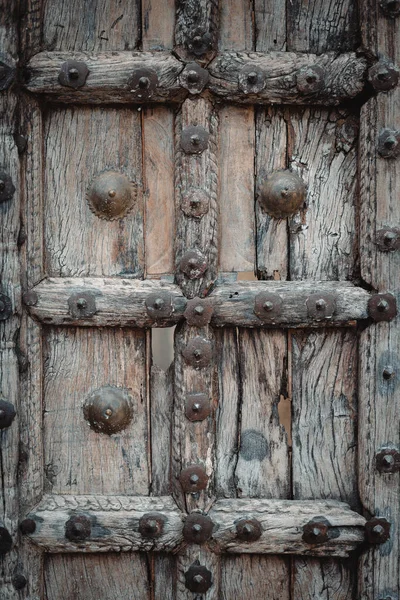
x=109 y=74
x=115 y=525
x=123 y=302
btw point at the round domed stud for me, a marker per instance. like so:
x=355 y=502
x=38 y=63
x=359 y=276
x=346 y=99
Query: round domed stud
x=282 y=194
x=377 y=530
x=111 y=195
x=389 y=143
x=108 y=409
x=159 y=305
x=7 y=413
x=193 y=264
x=199 y=42
x=195 y=203
x=194 y=78
x=316 y=531
x=78 y=528
x=383 y=75
x=194 y=139
x=143 y=83
x=248 y=530
x=193 y=479
x=73 y=74
x=198 y=352
x=198 y=579
x=251 y=79
x=197 y=407
x=151 y=525
x=267 y=306
x=197 y=528
x=310 y=80
x=198 y=311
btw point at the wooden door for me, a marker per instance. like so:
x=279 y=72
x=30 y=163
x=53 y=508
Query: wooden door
x=230 y=170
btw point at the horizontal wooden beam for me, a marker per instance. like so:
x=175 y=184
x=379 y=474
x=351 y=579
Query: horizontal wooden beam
x=151 y=303
x=67 y=523
x=251 y=78
x=285 y=526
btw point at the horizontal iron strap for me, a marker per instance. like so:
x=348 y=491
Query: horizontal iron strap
x=124 y=523
x=251 y=78
x=112 y=302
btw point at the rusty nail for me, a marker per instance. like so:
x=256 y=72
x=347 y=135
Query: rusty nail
x=377 y=530
x=27 y=526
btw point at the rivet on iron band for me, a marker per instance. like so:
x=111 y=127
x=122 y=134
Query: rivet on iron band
x=251 y=79
x=321 y=306
x=267 y=306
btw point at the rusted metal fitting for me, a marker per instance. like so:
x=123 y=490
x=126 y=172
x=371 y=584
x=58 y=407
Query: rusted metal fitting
x=143 y=83
x=194 y=139
x=151 y=525
x=198 y=352
x=27 y=526
x=382 y=307
x=198 y=579
x=108 y=409
x=73 y=74
x=193 y=479
x=159 y=305
x=267 y=306
x=248 y=530
x=321 y=306
x=197 y=529
x=7 y=413
x=387 y=460
x=5 y=540
x=19 y=581
x=388 y=239
x=388 y=372
x=111 y=195
x=30 y=298
x=194 y=264
x=194 y=78
x=197 y=407
x=199 y=311
x=5 y=307
x=389 y=143
x=7 y=188
x=7 y=73
x=78 y=528
x=282 y=194
x=82 y=305
x=377 y=530
x=391 y=8
x=383 y=75
x=199 y=42
x=195 y=203
x=251 y=79
x=310 y=79
x=316 y=531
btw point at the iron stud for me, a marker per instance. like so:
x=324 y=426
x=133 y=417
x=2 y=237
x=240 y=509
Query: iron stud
x=388 y=372
x=198 y=311
x=248 y=530
x=198 y=352
x=193 y=479
x=387 y=460
x=267 y=306
x=282 y=194
x=194 y=139
x=159 y=305
x=199 y=42
x=73 y=74
x=151 y=525
x=27 y=526
x=111 y=195
x=82 y=305
x=377 y=530
x=382 y=307
x=5 y=540
x=388 y=143
x=7 y=188
x=78 y=528
x=108 y=409
x=383 y=75
x=316 y=531
x=194 y=78
x=7 y=413
x=193 y=264
x=197 y=528
x=195 y=203
x=251 y=79
x=19 y=581
x=143 y=83
x=198 y=579
x=391 y=8
x=310 y=79
x=197 y=407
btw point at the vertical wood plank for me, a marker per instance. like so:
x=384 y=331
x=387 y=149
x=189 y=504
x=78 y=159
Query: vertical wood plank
x=161 y=402
x=158 y=22
x=380 y=342
x=158 y=152
x=80 y=143
x=90 y=577
x=197 y=18
x=236 y=25
x=236 y=195
x=103 y=25
x=78 y=459
x=270 y=25
x=258 y=577
x=196 y=175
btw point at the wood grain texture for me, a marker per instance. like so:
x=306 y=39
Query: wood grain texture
x=161 y=404
x=322 y=236
x=119 y=302
x=9 y=27
x=236 y=195
x=79 y=460
x=114 y=523
x=343 y=77
x=270 y=25
x=318 y=26
x=103 y=26
x=271 y=154
x=196 y=18
x=158 y=173
x=158 y=22
x=193 y=443
x=255 y=577
x=325 y=579
x=30 y=31
x=79 y=144
x=108 y=79
x=193 y=172
x=282 y=524
x=236 y=25
x=90 y=577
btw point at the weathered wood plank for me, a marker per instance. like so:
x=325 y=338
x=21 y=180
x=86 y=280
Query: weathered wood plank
x=79 y=145
x=161 y=405
x=193 y=442
x=322 y=150
x=236 y=25
x=198 y=555
x=280 y=78
x=109 y=516
x=121 y=302
x=158 y=175
x=196 y=177
x=270 y=25
x=259 y=576
x=107 y=576
x=236 y=195
x=196 y=29
x=272 y=234
x=379 y=344
x=103 y=25
x=109 y=77
x=158 y=21
x=325 y=579
x=282 y=523
x=9 y=28
x=79 y=460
